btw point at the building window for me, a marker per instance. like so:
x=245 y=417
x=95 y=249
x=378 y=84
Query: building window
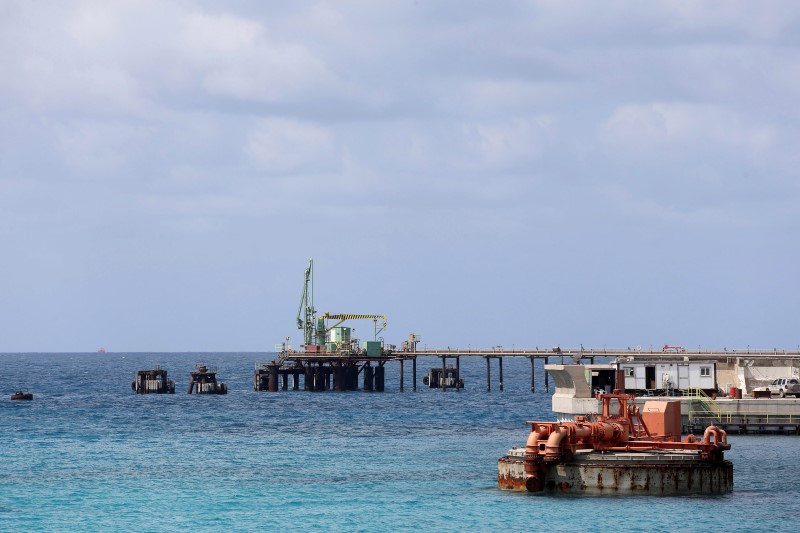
x=628 y=371
x=705 y=371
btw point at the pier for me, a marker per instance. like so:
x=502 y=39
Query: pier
x=332 y=358
x=322 y=371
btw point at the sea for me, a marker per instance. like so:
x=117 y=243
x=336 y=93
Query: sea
x=87 y=454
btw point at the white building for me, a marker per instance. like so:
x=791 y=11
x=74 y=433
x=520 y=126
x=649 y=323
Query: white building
x=644 y=375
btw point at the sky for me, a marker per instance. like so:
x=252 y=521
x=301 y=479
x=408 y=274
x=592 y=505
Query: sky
x=516 y=173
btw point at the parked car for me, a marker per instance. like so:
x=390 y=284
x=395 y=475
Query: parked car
x=786 y=386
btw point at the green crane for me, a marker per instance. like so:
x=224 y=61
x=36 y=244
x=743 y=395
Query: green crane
x=306 y=323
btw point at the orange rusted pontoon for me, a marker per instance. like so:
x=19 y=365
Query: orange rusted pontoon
x=615 y=452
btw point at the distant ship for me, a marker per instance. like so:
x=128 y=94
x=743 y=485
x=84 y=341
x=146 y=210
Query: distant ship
x=101 y=350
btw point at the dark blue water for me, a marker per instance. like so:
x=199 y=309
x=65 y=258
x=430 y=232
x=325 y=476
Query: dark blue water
x=88 y=454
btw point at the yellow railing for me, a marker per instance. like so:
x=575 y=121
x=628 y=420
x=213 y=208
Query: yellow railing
x=701 y=405
x=761 y=418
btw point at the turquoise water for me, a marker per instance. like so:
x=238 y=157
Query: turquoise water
x=88 y=454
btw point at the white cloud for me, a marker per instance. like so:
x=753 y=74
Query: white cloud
x=92 y=25
x=235 y=58
x=97 y=148
x=658 y=123
x=289 y=146
x=224 y=34
x=510 y=142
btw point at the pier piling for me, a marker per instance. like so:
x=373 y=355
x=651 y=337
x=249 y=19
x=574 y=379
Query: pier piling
x=369 y=378
x=488 y=376
x=379 y=375
x=546 y=381
x=500 y=360
x=533 y=376
x=273 y=378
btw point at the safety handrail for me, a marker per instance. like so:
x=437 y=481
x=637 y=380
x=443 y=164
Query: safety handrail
x=698 y=397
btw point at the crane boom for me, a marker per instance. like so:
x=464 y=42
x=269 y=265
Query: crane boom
x=342 y=317
x=305 y=321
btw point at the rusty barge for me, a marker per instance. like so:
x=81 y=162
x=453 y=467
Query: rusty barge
x=623 y=453
x=153 y=381
x=204 y=381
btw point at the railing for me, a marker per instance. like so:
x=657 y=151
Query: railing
x=702 y=406
x=751 y=418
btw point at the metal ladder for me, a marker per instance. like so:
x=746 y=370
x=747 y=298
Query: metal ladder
x=702 y=406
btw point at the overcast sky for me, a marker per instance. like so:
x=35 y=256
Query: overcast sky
x=483 y=173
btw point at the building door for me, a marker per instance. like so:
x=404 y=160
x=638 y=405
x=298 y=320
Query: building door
x=683 y=375
x=650 y=377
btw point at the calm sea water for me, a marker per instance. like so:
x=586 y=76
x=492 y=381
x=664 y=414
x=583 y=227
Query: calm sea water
x=89 y=455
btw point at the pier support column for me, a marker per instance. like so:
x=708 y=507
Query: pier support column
x=308 y=378
x=500 y=360
x=273 y=378
x=488 y=376
x=401 y=375
x=352 y=377
x=338 y=378
x=533 y=375
x=319 y=379
x=444 y=373
x=379 y=373
x=546 y=381
x=295 y=380
x=414 y=373
x=285 y=381
x=458 y=373
x=369 y=378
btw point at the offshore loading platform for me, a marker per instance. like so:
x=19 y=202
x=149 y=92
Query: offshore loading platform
x=331 y=358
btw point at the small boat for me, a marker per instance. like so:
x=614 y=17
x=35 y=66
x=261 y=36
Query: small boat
x=19 y=395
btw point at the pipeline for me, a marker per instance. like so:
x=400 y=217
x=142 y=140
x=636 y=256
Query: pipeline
x=552 y=450
x=720 y=436
x=608 y=432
